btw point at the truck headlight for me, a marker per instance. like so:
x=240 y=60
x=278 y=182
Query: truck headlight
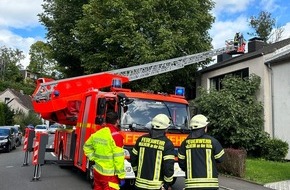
x=127 y=154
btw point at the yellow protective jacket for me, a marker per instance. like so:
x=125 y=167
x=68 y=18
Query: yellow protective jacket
x=105 y=148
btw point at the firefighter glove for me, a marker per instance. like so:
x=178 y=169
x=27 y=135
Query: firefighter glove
x=122 y=182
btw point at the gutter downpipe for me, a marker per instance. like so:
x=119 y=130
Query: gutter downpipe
x=272 y=98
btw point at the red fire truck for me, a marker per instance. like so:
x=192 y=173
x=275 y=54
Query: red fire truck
x=83 y=102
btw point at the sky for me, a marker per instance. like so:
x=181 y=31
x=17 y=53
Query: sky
x=20 y=26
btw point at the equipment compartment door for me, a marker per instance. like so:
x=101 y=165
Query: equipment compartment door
x=83 y=130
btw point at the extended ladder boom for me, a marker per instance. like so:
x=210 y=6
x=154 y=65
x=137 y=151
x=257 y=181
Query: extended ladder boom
x=159 y=67
x=61 y=99
x=82 y=83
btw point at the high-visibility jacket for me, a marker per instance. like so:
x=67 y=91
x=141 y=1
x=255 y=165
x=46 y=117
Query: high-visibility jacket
x=152 y=160
x=105 y=148
x=198 y=157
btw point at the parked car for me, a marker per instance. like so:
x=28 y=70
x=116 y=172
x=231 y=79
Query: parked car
x=53 y=128
x=40 y=129
x=18 y=134
x=7 y=139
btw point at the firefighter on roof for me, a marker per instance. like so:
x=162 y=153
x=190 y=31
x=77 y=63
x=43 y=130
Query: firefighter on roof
x=197 y=156
x=105 y=148
x=152 y=157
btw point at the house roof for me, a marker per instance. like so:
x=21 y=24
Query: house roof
x=266 y=49
x=23 y=99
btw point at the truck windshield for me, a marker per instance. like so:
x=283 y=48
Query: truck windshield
x=140 y=113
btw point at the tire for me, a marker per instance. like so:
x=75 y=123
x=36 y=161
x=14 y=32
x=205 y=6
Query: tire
x=18 y=143
x=8 y=148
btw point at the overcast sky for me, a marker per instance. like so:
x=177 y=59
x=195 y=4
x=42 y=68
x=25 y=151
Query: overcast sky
x=20 y=27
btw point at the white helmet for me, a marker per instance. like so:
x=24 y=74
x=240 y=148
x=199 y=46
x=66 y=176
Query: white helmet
x=160 y=121
x=198 y=121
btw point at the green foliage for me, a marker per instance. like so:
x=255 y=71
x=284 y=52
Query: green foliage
x=263 y=25
x=105 y=35
x=41 y=60
x=27 y=88
x=275 y=150
x=59 y=18
x=10 y=64
x=24 y=120
x=2 y=114
x=6 y=115
x=235 y=114
x=263 y=171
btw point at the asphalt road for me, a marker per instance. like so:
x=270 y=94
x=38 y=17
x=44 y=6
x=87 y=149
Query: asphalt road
x=13 y=175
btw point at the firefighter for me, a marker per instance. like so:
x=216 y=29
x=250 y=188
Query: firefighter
x=152 y=157
x=236 y=39
x=105 y=148
x=198 y=155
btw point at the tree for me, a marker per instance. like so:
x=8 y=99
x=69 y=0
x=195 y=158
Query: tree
x=114 y=34
x=24 y=120
x=6 y=115
x=263 y=25
x=59 y=18
x=41 y=60
x=235 y=114
x=276 y=34
x=10 y=64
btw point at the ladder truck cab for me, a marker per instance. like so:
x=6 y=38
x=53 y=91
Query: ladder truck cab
x=83 y=103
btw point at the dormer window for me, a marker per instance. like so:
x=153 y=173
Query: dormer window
x=6 y=100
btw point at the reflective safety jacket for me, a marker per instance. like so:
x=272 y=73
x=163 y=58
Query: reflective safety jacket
x=152 y=160
x=105 y=148
x=198 y=157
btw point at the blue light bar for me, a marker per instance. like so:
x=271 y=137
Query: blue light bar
x=179 y=91
x=117 y=83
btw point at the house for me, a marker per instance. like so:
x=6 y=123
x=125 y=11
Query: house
x=16 y=100
x=271 y=62
x=28 y=75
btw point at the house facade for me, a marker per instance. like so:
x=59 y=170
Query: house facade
x=16 y=100
x=271 y=62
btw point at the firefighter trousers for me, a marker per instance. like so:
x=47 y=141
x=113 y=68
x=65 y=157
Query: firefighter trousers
x=102 y=182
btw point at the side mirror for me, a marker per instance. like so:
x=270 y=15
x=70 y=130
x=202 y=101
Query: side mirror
x=101 y=110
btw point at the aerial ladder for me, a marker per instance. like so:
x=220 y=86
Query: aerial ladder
x=62 y=97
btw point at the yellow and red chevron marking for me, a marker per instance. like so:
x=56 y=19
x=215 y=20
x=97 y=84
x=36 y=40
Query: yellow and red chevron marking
x=35 y=153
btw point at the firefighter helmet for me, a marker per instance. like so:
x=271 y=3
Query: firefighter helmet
x=198 y=121
x=160 y=121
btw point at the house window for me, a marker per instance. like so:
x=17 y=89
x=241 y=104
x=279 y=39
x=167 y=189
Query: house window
x=6 y=100
x=216 y=82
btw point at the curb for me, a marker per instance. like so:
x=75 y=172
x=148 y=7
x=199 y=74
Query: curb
x=241 y=179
